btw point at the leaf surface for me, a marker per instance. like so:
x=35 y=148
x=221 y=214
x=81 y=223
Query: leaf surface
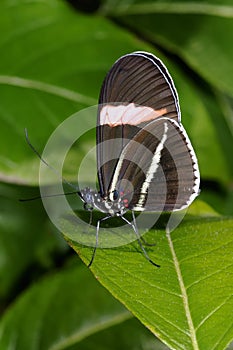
x=189 y=295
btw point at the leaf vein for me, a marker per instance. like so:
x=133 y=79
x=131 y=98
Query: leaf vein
x=184 y=294
x=227 y=330
x=176 y=7
x=140 y=302
x=208 y=276
x=213 y=312
x=45 y=87
x=207 y=252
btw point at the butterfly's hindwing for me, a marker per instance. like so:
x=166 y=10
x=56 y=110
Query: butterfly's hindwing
x=160 y=167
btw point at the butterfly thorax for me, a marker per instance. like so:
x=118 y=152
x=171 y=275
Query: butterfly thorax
x=93 y=200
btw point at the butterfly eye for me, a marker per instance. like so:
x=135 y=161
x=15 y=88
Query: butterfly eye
x=114 y=195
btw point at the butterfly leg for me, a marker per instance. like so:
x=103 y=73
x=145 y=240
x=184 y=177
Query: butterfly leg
x=134 y=226
x=147 y=243
x=97 y=239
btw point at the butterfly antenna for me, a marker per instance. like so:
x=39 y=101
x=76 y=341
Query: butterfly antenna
x=147 y=243
x=47 y=196
x=48 y=165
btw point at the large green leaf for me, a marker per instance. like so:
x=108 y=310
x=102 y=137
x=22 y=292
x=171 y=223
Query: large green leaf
x=203 y=43
x=187 y=302
x=28 y=241
x=70 y=310
x=203 y=40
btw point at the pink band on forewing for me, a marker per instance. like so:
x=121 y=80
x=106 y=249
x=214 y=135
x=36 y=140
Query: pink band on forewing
x=128 y=114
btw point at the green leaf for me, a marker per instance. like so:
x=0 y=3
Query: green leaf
x=187 y=302
x=68 y=310
x=201 y=40
x=26 y=239
x=127 y=335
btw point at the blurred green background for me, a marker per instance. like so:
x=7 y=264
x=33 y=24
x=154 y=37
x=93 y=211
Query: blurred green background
x=54 y=57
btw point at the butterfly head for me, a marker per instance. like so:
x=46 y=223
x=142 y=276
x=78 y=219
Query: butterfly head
x=114 y=205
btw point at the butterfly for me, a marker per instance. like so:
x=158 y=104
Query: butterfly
x=145 y=160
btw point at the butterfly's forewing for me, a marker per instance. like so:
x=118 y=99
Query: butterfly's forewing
x=142 y=79
x=157 y=169
x=137 y=90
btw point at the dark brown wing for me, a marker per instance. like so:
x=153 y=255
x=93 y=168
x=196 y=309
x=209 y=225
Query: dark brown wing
x=137 y=90
x=157 y=170
x=142 y=79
